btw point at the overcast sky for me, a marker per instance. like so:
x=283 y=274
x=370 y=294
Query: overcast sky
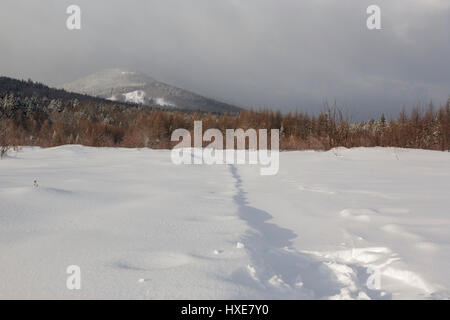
x=285 y=54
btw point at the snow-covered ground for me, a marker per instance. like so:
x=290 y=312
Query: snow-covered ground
x=141 y=227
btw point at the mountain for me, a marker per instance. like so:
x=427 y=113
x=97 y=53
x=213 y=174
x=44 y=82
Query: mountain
x=127 y=86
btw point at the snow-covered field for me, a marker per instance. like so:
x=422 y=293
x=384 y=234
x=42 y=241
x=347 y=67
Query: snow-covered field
x=141 y=227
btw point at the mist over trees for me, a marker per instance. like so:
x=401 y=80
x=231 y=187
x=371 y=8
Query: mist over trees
x=32 y=114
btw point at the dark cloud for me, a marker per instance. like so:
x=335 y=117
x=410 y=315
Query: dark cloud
x=284 y=54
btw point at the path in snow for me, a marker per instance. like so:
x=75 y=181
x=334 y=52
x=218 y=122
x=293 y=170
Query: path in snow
x=282 y=272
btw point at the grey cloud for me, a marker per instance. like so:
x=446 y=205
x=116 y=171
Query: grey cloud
x=283 y=54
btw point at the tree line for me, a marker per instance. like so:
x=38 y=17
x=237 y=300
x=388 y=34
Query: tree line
x=35 y=115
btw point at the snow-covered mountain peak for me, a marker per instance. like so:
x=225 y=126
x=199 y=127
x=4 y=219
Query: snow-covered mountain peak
x=124 y=85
